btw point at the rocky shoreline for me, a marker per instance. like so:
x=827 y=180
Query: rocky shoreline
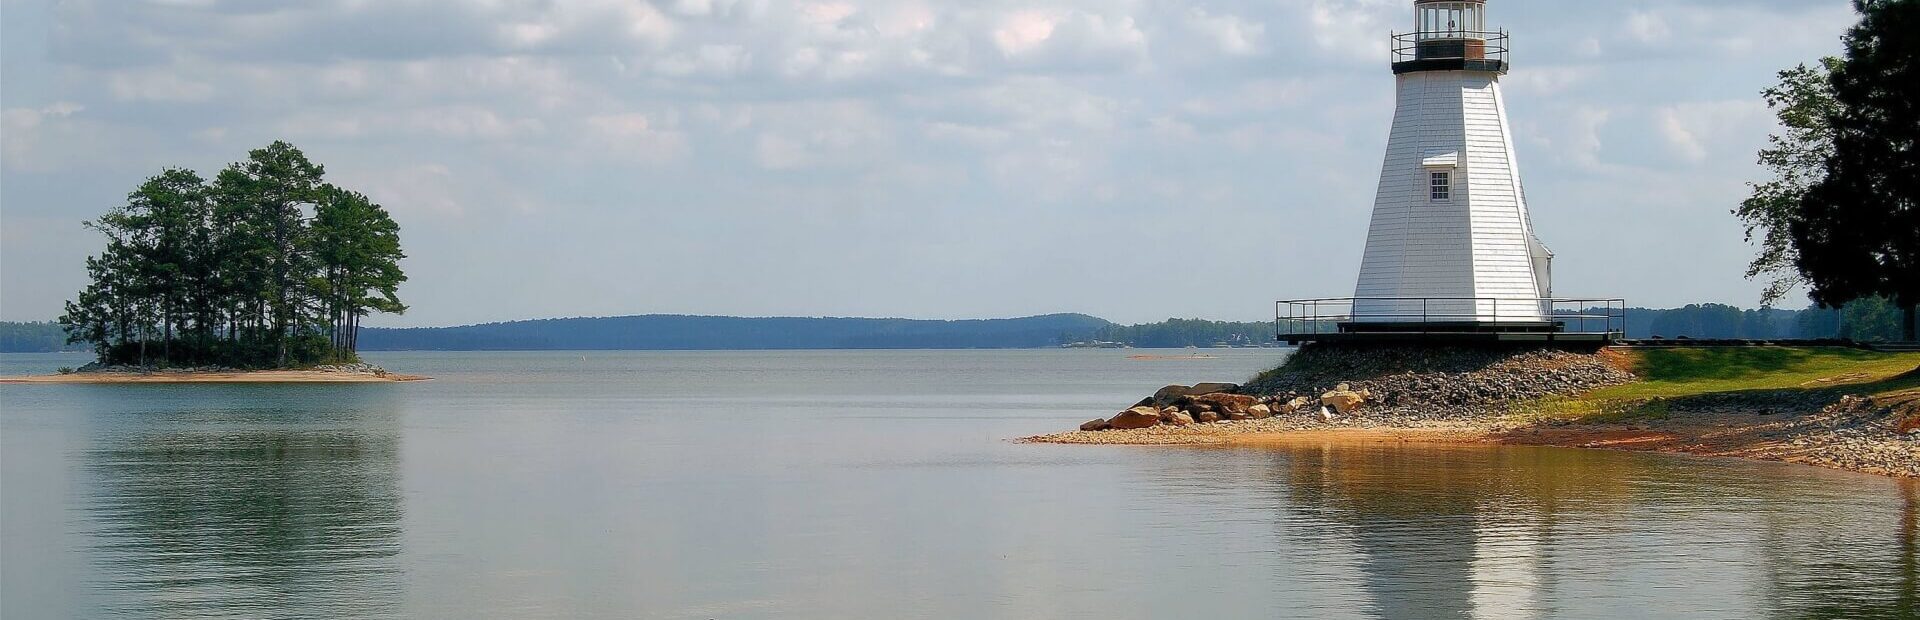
x=1477 y=396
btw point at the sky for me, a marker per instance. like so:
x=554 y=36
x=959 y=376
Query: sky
x=1130 y=159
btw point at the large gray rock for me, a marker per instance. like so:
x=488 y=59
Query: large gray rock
x=1168 y=394
x=1200 y=389
x=1227 y=403
x=1096 y=424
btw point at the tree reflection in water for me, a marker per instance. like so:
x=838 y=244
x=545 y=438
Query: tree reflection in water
x=243 y=511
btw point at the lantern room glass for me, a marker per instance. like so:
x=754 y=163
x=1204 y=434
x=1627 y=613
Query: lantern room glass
x=1450 y=20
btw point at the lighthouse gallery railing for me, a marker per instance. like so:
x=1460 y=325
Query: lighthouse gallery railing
x=1429 y=315
x=1444 y=45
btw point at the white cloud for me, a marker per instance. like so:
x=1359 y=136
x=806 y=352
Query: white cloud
x=775 y=152
x=1023 y=31
x=429 y=187
x=1680 y=137
x=1233 y=35
x=1704 y=130
x=1355 y=28
x=971 y=135
x=827 y=12
x=37 y=139
x=633 y=137
x=456 y=122
x=1648 y=27
x=163 y=86
x=709 y=61
x=1547 y=80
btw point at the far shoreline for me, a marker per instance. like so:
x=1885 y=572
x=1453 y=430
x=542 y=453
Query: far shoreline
x=211 y=376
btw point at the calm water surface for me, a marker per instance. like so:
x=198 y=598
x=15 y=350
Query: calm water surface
x=873 y=485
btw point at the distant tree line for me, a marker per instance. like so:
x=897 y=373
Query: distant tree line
x=1177 y=333
x=267 y=265
x=33 y=337
x=1871 y=319
x=680 y=332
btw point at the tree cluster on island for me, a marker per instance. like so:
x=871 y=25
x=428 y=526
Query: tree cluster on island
x=266 y=265
x=1841 y=215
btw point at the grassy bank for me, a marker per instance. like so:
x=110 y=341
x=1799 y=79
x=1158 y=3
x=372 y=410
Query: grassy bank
x=1759 y=375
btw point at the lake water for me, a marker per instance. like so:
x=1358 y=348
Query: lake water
x=869 y=485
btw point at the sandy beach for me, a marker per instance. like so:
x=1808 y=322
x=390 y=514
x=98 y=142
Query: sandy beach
x=1809 y=440
x=234 y=376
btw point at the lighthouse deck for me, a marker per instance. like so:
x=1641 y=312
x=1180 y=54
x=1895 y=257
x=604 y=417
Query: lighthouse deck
x=1450 y=320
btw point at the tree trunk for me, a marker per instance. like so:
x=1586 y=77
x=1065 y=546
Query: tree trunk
x=1907 y=325
x=166 y=340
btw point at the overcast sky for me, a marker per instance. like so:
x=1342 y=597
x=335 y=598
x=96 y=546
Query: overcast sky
x=942 y=159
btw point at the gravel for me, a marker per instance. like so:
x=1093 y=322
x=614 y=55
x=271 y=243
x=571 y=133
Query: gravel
x=1428 y=383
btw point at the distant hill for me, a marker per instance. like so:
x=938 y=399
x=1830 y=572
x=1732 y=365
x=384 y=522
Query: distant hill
x=1866 y=320
x=678 y=332
x=34 y=338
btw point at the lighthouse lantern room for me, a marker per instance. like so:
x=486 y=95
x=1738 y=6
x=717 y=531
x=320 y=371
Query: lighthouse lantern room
x=1451 y=249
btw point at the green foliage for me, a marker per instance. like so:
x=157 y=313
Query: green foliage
x=1856 y=230
x=237 y=272
x=1803 y=101
x=1869 y=319
x=1718 y=321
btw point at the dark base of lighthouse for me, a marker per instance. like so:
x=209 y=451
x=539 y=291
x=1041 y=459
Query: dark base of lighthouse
x=1582 y=322
x=1457 y=332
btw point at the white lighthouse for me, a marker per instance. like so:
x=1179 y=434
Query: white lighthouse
x=1450 y=240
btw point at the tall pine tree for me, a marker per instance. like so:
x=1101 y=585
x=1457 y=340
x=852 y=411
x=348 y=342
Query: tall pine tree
x=1857 y=230
x=265 y=266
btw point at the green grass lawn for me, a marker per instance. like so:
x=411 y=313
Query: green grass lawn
x=1693 y=371
x=1684 y=372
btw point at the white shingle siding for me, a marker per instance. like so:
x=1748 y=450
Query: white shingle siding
x=1477 y=244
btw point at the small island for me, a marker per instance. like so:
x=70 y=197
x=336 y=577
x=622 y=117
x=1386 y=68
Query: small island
x=260 y=275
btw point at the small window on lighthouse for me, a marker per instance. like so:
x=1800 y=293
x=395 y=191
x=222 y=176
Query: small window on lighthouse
x=1441 y=185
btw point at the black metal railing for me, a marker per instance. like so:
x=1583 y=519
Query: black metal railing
x=1449 y=45
x=1434 y=315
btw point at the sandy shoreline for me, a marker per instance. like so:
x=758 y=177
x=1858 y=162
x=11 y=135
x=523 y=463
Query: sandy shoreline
x=234 y=376
x=1735 y=435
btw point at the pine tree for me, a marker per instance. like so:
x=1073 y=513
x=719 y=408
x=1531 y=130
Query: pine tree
x=236 y=272
x=1857 y=230
x=357 y=246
